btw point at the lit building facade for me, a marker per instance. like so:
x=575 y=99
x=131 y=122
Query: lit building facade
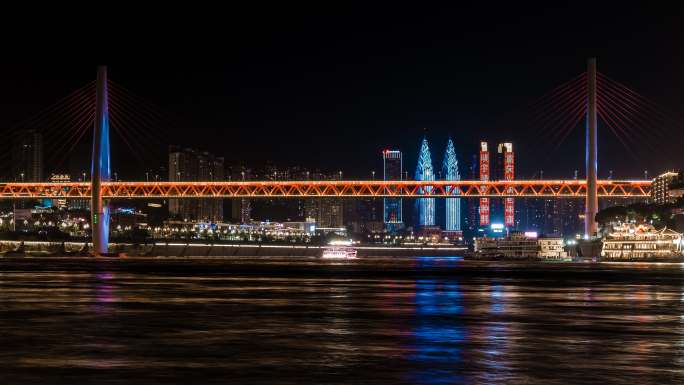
x=453 y=205
x=424 y=172
x=60 y=203
x=392 y=165
x=327 y=212
x=506 y=166
x=520 y=245
x=484 y=176
x=660 y=187
x=211 y=168
x=190 y=165
x=502 y=167
x=631 y=241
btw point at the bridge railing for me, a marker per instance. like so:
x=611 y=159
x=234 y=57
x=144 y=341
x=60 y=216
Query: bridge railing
x=311 y=189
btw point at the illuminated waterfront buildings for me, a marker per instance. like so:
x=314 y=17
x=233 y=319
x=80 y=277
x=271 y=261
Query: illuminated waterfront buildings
x=632 y=241
x=519 y=245
x=424 y=171
x=453 y=205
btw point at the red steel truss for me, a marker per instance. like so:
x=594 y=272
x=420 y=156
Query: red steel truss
x=255 y=189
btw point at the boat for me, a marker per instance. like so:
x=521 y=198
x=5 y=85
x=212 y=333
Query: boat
x=339 y=250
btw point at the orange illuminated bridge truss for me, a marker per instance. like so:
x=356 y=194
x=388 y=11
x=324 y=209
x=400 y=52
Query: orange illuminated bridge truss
x=312 y=189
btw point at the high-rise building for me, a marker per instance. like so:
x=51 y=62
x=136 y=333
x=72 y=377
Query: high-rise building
x=501 y=167
x=27 y=156
x=210 y=168
x=182 y=167
x=453 y=205
x=392 y=170
x=27 y=160
x=327 y=212
x=484 y=176
x=364 y=215
x=660 y=187
x=571 y=212
x=241 y=208
x=187 y=164
x=553 y=220
x=424 y=172
x=506 y=171
x=472 y=218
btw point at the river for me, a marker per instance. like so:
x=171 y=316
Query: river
x=421 y=320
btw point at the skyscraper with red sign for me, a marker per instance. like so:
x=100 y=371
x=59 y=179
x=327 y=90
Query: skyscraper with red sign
x=484 y=176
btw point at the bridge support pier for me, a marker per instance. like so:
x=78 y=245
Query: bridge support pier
x=591 y=203
x=99 y=212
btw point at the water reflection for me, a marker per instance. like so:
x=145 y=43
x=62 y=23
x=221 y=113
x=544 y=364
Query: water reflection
x=105 y=292
x=439 y=335
x=428 y=261
x=430 y=320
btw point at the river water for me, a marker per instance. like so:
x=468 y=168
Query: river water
x=419 y=320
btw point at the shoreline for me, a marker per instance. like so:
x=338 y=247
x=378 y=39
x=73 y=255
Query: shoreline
x=180 y=249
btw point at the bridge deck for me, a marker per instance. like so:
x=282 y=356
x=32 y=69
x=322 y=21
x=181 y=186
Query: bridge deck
x=312 y=189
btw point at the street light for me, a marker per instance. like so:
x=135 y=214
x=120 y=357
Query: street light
x=373 y=172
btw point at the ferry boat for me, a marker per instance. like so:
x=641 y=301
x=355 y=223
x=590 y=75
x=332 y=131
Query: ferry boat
x=339 y=250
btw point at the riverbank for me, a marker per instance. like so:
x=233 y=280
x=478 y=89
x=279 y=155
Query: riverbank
x=673 y=259
x=179 y=249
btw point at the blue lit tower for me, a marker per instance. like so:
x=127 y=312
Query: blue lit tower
x=450 y=172
x=100 y=173
x=426 y=206
x=392 y=170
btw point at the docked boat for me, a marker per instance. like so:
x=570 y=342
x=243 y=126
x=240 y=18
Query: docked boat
x=339 y=250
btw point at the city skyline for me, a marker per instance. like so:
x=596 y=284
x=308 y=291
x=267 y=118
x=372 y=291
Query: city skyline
x=343 y=193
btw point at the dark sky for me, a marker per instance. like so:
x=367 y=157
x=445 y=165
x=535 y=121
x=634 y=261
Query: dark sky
x=330 y=88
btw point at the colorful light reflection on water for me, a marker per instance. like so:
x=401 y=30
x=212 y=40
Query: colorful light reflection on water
x=425 y=320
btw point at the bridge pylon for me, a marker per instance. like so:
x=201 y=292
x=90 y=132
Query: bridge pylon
x=591 y=203
x=99 y=211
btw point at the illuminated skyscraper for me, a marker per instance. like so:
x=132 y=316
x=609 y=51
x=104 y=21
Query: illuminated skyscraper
x=506 y=171
x=392 y=170
x=426 y=206
x=484 y=176
x=453 y=205
x=501 y=168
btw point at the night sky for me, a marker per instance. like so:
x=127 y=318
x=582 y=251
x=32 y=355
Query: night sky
x=331 y=88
